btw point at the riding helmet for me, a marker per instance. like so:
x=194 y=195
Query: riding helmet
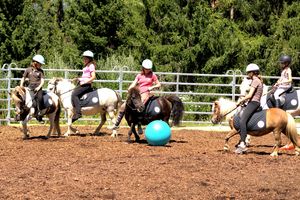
x=285 y=59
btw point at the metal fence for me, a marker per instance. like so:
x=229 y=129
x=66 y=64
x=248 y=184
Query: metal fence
x=197 y=91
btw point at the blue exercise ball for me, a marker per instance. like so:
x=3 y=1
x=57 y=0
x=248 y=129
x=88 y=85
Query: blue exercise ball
x=158 y=133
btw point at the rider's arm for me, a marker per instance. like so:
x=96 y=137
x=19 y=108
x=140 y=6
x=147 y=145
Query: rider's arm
x=22 y=81
x=133 y=84
x=156 y=85
x=41 y=84
x=91 y=79
x=248 y=96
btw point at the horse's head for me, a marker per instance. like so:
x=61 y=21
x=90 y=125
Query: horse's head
x=53 y=85
x=134 y=100
x=222 y=108
x=216 y=113
x=18 y=96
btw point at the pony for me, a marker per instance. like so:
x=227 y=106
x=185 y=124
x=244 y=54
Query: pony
x=24 y=106
x=101 y=101
x=276 y=121
x=156 y=108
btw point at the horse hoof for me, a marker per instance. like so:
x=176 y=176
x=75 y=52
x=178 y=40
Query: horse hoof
x=66 y=134
x=297 y=153
x=226 y=149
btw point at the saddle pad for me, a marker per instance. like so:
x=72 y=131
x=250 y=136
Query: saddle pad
x=291 y=101
x=89 y=99
x=152 y=108
x=47 y=100
x=256 y=122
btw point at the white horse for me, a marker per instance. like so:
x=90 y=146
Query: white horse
x=105 y=100
x=23 y=99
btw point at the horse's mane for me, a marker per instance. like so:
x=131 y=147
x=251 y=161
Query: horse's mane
x=226 y=106
x=133 y=91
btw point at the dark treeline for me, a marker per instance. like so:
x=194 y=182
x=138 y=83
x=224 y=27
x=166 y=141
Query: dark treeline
x=194 y=36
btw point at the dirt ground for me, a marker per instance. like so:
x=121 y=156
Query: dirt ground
x=191 y=166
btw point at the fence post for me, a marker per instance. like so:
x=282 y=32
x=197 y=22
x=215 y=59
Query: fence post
x=177 y=85
x=8 y=92
x=121 y=81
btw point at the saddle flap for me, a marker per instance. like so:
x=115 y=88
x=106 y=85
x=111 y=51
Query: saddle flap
x=89 y=99
x=256 y=122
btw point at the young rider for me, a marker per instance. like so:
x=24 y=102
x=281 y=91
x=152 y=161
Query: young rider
x=85 y=82
x=285 y=80
x=147 y=81
x=253 y=98
x=35 y=75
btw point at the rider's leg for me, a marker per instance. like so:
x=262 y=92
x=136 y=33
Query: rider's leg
x=120 y=116
x=76 y=94
x=40 y=106
x=277 y=95
x=247 y=113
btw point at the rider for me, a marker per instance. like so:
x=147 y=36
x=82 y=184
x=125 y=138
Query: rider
x=146 y=81
x=35 y=75
x=285 y=80
x=85 y=82
x=253 y=98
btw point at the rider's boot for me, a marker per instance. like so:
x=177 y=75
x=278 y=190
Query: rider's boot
x=39 y=116
x=119 y=119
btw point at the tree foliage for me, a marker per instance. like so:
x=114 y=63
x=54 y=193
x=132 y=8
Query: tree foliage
x=181 y=36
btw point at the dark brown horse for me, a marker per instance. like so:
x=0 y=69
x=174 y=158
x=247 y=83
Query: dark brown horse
x=277 y=121
x=25 y=109
x=157 y=108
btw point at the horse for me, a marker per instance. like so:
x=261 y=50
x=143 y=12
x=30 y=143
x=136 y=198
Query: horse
x=25 y=109
x=156 y=108
x=273 y=120
x=101 y=101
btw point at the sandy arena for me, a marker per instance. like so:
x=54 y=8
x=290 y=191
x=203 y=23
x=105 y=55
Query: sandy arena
x=192 y=166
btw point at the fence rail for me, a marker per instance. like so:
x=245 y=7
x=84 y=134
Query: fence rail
x=196 y=95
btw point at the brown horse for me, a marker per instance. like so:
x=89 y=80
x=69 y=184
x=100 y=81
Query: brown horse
x=25 y=109
x=157 y=108
x=277 y=121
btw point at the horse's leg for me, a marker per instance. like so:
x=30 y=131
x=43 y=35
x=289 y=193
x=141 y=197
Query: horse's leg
x=277 y=137
x=51 y=120
x=248 y=140
x=112 y=117
x=132 y=126
x=103 y=120
x=228 y=136
x=25 y=129
x=69 y=123
x=137 y=137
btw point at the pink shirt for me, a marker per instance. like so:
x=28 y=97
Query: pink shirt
x=145 y=81
x=87 y=73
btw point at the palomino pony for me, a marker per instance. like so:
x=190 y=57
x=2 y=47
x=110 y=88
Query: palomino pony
x=101 y=101
x=157 y=108
x=25 y=110
x=274 y=120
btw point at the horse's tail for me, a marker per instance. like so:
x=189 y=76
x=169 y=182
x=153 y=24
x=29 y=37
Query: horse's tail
x=291 y=130
x=177 y=109
x=119 y=102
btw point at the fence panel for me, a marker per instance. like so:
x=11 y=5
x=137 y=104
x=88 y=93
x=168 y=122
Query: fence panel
x=197 y=91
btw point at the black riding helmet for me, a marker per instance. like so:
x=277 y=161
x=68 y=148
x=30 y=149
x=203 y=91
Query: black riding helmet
x=285 y=59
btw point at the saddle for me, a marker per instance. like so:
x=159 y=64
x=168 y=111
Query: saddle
x=256 y=122
x=89 y=99
x=152 y=109
x=47 y=100
x=288 y=100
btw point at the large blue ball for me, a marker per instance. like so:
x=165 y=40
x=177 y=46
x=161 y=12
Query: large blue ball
x=158 y=133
